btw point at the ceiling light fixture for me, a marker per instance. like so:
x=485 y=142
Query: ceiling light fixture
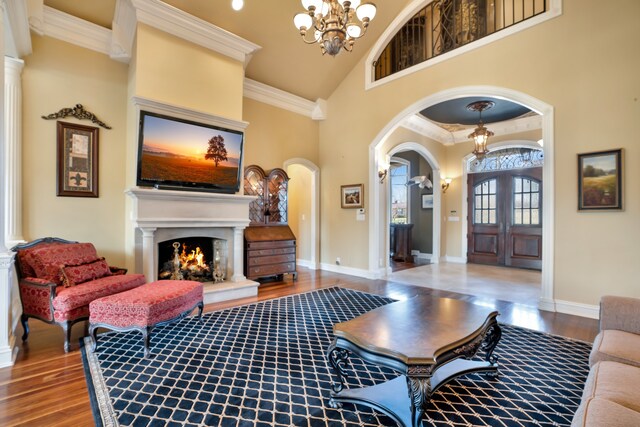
x=481 y=134
x=237 y=4
x=334 y=24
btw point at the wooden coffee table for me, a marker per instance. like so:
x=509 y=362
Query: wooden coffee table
x=427 y=340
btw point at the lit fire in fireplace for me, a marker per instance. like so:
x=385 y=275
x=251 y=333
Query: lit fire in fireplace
x=192 y=261
x=186 y=265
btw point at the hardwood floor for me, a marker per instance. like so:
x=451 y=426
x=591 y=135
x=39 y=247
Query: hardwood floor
x=46 y=387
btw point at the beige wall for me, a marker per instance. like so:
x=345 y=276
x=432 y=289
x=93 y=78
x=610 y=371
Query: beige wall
x=174 y=71
x=300 y=194
x=589 y=76
x=55 y=76
x=275 y=135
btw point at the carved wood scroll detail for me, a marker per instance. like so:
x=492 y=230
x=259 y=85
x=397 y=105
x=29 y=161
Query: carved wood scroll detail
x=79 y=113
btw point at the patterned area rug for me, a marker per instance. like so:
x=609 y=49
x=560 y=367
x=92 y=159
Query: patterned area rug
x=264 y=364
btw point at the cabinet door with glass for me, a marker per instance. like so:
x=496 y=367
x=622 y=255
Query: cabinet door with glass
x=270 y=207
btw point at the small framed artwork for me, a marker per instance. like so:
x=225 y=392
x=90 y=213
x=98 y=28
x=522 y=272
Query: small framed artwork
x=352 y=196
x=77 y=160
x=600 y=180
x=427 y=201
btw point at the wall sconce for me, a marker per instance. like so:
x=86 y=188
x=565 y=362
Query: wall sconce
x=445 y=185
x=382 y=175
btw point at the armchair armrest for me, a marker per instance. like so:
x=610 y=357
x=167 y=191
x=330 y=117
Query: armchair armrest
x=621 y=313
x=117 y=271
x=37 y=297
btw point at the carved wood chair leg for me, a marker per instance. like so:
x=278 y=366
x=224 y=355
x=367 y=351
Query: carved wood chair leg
x=66 y=327
x=24 y=319
x=94 y=338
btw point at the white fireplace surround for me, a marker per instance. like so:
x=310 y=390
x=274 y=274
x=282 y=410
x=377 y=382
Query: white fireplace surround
x=160 y=215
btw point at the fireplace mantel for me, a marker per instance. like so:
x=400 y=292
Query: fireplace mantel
x=155 y=209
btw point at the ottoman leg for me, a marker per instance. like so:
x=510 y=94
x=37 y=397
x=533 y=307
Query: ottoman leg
x=200 y=308
x=146 y=337
x=93 y=337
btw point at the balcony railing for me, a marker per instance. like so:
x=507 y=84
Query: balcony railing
x=445 y=25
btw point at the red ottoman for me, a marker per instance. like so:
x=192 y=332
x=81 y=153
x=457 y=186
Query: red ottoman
x=143 y=308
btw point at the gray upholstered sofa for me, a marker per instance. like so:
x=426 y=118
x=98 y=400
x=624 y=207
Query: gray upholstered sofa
x=611 y=394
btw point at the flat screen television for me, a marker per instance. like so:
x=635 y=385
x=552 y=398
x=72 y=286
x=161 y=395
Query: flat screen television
x=184 y=155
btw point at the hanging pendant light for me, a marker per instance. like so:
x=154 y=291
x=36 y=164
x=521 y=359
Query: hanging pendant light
x=481 y=134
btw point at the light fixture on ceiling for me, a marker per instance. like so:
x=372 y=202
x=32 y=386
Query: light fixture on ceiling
x=237 y=4
x=481 y=134
x=445 y=185
x=334 y=24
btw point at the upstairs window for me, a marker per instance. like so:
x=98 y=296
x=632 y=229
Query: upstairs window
x=444 y=25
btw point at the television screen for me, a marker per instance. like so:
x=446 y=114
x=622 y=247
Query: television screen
x=181 y=154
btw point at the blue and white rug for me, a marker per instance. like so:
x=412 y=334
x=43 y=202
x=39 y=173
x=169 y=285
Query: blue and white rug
x=264 y=364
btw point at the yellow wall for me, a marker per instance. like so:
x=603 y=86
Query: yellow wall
x=275 y=135
x=174 y=71
x=300 y=209
x=55 y=76
x=585 y=64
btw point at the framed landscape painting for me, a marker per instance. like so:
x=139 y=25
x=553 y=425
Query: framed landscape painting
x=352 y=196
x=600 y=180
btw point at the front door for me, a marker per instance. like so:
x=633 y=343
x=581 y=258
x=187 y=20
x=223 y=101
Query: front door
x=505 y=218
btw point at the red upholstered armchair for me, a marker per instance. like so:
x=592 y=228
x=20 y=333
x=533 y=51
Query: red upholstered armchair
x=58 y=279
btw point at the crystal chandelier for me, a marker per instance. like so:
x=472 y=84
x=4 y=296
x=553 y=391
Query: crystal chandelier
x=334 y=24
x=481 y=134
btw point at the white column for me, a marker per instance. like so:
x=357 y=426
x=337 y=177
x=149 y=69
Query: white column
x=13 y=150
x=7 y=339
x=148 y=253
x=238 y=259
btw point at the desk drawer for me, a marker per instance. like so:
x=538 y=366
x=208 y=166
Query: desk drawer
x=274 y=251
x=272 y=244
x=267 y=270
x=274 y=259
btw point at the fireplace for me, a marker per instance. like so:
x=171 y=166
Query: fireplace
x=203 y=259
x=166 y=216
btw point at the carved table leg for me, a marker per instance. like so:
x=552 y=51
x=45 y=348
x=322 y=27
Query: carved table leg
x=339 y=359
x=419 y=394
x=489 y=343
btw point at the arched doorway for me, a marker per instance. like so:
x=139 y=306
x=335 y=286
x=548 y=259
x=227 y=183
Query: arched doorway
x=377 y=247
x=304 y=205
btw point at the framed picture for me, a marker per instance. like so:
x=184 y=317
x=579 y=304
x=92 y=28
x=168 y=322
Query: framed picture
x=352 y=196
x=77 y=160
x=427 y=201
x=600 y=180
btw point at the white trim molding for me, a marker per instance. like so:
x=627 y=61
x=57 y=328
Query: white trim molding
x=279 y=98
x=16 y=15
x=171 y=20
x=555 y=10
x=350 y=271
x=578 y=309
x=74 y=30
x=123 y=31
x=186 y=113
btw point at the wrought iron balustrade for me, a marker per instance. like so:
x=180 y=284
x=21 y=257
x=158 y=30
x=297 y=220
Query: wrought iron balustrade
x=444 y=25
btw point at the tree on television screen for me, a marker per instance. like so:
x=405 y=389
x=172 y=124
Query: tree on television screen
x=216 y=151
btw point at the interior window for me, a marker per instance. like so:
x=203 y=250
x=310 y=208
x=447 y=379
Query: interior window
x=399 y=193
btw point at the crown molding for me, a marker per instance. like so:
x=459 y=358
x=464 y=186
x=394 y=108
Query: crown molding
x=424 y=127
x=74 y=30
x=171 y=20
x=123 y=31
x=17 y=16
x=285 y=100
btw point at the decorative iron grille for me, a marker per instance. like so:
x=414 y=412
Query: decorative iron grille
x=444 y=25
x=507 y=159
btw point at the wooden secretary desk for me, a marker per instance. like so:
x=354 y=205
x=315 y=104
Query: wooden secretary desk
x=269 y=243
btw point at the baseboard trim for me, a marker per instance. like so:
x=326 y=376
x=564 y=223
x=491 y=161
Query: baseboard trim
x=307 y=264
x=358 y=272
x=546 y=304
x=578 y=309
x=8 y=354
x=455 y=259
x=421 y=255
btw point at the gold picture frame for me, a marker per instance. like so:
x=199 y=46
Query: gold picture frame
x=352 y=196
x=77 y=160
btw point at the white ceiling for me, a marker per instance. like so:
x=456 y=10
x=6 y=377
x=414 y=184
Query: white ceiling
x=283 y=61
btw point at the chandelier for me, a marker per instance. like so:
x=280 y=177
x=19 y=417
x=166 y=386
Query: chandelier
x=334 y=24
x=481 y=134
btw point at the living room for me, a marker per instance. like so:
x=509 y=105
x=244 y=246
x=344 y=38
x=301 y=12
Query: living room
x=578 y=70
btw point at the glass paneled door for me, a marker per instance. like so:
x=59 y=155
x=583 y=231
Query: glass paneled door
x=505 y=218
